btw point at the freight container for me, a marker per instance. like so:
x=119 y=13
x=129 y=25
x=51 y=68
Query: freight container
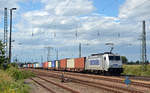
x=57 y=64
x=28 y=65
x=25 y=65
x=80 y=63
x=63 y=64
x=53 y=64
x=32 y=65
x=40 y=65
x=37 y=65
x=49 y=65
x=70 y=64
x=45 y=65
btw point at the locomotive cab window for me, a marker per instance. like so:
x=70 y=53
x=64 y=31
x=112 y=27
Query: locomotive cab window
x=114 y=58
x=111 y=57
x=117 y=57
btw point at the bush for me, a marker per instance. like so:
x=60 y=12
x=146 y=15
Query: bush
x=136 y=70
x=9 y=85
x=18 y=74
x=12 y=80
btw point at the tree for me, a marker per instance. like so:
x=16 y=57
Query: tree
x=2 y=55
x=124 y=60
x=137 y=62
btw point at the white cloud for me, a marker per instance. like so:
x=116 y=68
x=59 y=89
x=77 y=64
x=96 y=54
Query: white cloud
x=60 y=20
x=69 y=7
x=135 y=9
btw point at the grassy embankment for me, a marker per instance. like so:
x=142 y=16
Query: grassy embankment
x=12 y=80
x=136 y=70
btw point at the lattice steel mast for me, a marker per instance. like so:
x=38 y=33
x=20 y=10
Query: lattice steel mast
x=5 y=32
x=144 y=56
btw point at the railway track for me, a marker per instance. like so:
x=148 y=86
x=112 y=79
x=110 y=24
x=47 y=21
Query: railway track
x=42 y=85
x=142 y=78
x=110 y=88
x=88 y=84
x=111 y=79
x=56 y=84
x=107 y=87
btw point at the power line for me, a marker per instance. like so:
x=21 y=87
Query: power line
x=139 y=5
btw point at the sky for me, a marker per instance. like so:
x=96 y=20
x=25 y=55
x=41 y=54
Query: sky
x=63 y=24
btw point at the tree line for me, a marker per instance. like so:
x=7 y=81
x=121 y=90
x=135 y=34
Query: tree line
x=125 y=61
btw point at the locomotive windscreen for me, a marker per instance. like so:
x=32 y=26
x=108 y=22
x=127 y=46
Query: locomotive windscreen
x=114 y=58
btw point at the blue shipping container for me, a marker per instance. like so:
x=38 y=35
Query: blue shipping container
x=53 y=64
x=40 y=65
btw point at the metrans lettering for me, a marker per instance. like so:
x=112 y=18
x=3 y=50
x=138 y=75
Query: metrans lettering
x=94 y=62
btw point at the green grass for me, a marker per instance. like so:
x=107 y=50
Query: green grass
x=136 y=70
x=19 y=74
x=12 y=81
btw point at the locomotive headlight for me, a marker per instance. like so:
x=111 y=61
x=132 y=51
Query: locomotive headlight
x=120 y=66
x=116 y=66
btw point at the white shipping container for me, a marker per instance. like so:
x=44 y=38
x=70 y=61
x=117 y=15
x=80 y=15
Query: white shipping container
x=37 y=65
x=56 y=63
x=24 y=65
x=70 y=63
x=50 y=64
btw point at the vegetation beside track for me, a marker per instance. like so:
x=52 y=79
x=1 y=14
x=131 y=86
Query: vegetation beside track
x=136 y=70
x=12 y=80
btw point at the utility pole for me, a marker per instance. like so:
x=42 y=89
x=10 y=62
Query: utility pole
x=144 y=56
x=5 y=32
x=56 y=54
x=10 y=33
x=79 y=49
x=48 y=52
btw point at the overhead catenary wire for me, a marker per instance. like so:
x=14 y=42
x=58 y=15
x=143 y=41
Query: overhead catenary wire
x=54 y=20
x=77 y=32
